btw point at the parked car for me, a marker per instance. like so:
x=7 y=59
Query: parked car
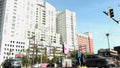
x=12 y=63
x=50 y=65
x=36 y=66
x=99 y=61
x=6 y=64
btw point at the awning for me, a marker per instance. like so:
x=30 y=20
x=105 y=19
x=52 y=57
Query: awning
x=19 y=55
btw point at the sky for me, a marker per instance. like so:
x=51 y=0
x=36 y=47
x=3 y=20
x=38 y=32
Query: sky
x=90 y=18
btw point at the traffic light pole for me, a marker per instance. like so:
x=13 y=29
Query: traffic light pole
x=111 y=18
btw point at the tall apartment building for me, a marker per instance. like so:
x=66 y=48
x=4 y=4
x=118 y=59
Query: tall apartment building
x=85 y=42
x=17 y=17
x=66 y=26
x=23 y=19
x=46 y=22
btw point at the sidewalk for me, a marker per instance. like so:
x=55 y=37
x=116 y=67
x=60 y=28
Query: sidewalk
x=27 y=67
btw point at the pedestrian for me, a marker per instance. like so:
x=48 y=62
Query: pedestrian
x=78 y=58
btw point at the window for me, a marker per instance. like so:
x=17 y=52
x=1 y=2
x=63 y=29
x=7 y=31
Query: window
x=12 y=53
x=14 y=9
x=5 y=44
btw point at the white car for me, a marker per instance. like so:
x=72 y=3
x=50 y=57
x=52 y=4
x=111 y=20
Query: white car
x=36 y=66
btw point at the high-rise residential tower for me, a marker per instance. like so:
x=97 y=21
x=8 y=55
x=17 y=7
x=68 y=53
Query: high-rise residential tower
x=85 y=42
x=17 y=17
x=20 y=20
x=66 y=26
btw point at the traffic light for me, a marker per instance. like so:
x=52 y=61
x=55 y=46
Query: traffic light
x=110 y=13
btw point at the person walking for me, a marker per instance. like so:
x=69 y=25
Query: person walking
x=78 y=57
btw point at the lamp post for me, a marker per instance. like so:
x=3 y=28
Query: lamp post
x=108 y=40
x=41 y=52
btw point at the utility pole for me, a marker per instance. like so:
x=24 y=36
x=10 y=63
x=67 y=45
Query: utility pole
x=41 y=51
x=107 y=34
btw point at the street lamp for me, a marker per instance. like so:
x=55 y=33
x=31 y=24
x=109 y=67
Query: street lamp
x=108 y=40
x=41 y=51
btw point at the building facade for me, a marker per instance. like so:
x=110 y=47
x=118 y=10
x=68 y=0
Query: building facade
x=24 y=20
x=20 y=20
x=66 y=26
x=16 y=17
x=85 y=42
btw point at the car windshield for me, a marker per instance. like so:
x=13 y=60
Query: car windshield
x=15 y=60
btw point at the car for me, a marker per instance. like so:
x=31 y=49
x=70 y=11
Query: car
x=12 y=63
x=36 y=66
x=50 y=65
x=6 y=64
x=99 y=61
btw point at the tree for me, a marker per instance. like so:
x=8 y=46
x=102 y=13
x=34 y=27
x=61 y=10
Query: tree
x=45 y=59
x=55 y=59
x=54 y=51
x=73 y=55
x=25 y=61
x=45 y=51
x=36 y=50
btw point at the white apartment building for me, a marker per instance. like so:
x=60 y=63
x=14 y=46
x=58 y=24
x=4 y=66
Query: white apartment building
x=66 y=26
x=17 y=17
x=46 y=25
x=45 y=20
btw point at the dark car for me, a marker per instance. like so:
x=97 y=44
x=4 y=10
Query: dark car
x=99 y=61
x=6 y=64
x=51 y=65
x=12 y=63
